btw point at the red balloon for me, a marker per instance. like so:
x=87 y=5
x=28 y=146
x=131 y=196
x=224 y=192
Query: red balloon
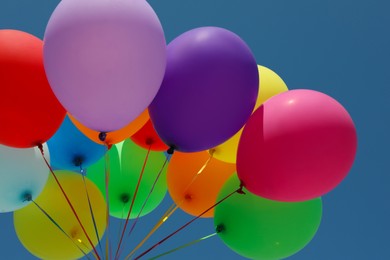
x=30 y=112
x=297 y=146
x=147 y=137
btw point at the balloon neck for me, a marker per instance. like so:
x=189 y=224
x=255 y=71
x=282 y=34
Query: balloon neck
x=171 y=150
x=102 y=136
x=220 y=228
x=125 y=198
x=27 y=196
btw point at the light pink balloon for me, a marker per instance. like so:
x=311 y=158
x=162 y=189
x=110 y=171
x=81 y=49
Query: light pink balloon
x=299 y=145
x=104 y=59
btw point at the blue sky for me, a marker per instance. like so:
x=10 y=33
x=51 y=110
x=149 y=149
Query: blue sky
x=339 y=47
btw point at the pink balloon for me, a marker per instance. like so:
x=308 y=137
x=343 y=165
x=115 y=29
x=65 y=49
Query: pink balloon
x=298 y=146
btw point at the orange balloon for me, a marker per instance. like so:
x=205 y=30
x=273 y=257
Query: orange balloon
x=115 y=136
x=192 y=192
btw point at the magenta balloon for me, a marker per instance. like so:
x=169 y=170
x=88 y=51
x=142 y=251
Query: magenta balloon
x=105 y=59
x=298 y=146
x=209 y=89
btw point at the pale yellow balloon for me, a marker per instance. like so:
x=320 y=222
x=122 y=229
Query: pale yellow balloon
x=270 y=84
x=43 y=238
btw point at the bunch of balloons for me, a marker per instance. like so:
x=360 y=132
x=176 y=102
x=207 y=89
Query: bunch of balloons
x=102 y=96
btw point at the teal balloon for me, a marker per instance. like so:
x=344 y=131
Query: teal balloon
x=23 y=174
x=259 y=228
x=126 y=162
x=72 y=150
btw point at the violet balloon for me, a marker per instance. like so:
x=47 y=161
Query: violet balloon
x=105 y=60
x=208 y=92
x=297 y=146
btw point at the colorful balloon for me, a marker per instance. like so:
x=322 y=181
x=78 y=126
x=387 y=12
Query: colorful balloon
x=270 y=85
x=208 y=92
x=43 y=238
x=126 y=161
x=117 y=136
x=71 y=150
x=30 y=112
x=23 y=172
x=259 y=228
x=193 y=192
x=299 y=145
x=105 y=62
x=147 y=138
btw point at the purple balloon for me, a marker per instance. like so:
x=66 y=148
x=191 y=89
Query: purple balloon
x=104 y=59
x=208 y=92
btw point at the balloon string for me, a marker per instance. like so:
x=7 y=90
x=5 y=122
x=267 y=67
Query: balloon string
x=211 y=152
x=161 y=221
x=192 y=181
x=107 y=182
x=83 y=173
x=67 y=199
x=150 y=193
x=121 y=223
x=132 y=202
x=57 y=225
x=240 y=191
x=147 y=198
x=81 y=242
x=183 y=246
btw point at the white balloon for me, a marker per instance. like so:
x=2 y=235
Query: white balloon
x=22 y=172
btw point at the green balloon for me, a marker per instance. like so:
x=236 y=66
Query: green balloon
x=259 y=228
x=126 y=161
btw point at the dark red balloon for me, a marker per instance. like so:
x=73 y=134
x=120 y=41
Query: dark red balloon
x=147 y=137
x=29 y=111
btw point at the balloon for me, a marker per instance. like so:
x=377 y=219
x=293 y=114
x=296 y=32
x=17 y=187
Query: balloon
x=126 y=161
x=258 y=228
x=270 y=85
x=115 y=136
x=23 y=172
x=43 y=238
x=71 y=150
x=208 y=92
x=30 y=113
x=105 y=62
x=195 y=193
x=147 y=138
x=299 y=145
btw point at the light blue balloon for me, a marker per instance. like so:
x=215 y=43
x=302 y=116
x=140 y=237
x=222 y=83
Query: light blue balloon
x=23 y=174
x=72 y=150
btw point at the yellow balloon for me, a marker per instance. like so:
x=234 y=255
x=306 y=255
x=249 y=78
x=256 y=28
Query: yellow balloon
x=270 y=84
x=43 y=238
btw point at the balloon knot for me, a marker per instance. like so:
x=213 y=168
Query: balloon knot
x=171 y=150
x=27 y=196
x=78 y=160
x=241 y=189
x=220 y=228
x=102 y=136
x=188 y=197
x=149 y=141
x=125 y=198
x=40 y=147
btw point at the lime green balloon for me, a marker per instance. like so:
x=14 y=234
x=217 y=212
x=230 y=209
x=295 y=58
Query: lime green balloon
x=259 y=228
x=126 y=162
